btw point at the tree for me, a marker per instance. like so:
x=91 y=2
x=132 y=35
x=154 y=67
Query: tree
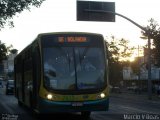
x=3 y=51
x=118 y=53
x=154 y=31
x=13 y=51
x=9 y=8
x=119 y=50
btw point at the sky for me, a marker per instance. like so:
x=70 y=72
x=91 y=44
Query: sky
x=60 y=16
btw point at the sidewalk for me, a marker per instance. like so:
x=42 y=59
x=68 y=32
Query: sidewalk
x=136 y=96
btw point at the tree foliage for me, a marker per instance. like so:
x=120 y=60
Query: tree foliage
x=3 y=51
x=119 y=50
x=119 y=53
x=9 y=8
x=154 y=32
x=13 y=51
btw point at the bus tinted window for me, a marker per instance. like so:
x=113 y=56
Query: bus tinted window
x=90 y=68
x=72 y=68
x=59 y=68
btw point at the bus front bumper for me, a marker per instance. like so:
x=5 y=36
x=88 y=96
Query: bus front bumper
x=47 y=106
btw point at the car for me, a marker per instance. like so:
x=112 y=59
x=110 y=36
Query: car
x=10 y=87
x=115 y=89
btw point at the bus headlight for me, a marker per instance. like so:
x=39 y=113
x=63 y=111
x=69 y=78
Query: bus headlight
x=102 y=95
x=49 y=96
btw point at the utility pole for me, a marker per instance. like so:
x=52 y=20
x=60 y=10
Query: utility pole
x=139 y=84
x=149 y=69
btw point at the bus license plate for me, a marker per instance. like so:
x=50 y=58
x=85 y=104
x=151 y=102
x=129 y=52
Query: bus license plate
x=77 y=104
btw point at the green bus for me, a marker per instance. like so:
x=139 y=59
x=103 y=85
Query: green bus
x=63 y=71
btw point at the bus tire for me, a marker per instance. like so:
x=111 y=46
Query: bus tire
x=31 y=101
x=86 y=115
x=20 y=103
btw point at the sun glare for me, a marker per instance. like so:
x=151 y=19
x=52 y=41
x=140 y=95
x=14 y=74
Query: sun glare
x=132 y=58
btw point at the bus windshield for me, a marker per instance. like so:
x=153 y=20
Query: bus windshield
x=74 y=68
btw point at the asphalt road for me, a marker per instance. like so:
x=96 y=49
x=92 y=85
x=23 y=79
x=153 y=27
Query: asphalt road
x=120 y=108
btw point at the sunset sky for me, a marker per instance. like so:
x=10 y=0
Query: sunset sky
x=60 y=15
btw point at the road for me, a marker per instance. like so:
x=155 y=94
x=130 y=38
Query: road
x=120 y=108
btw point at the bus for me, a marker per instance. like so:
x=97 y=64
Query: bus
x=63 y=72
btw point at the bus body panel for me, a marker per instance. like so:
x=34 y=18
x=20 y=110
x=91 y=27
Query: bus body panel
x=47 y=106
x=29 y=76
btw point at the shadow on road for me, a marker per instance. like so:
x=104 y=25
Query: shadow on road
x=60 y=116
x=55 y=116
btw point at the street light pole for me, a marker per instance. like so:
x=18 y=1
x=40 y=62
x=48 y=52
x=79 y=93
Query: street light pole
x=149 y=44
x=102 y=11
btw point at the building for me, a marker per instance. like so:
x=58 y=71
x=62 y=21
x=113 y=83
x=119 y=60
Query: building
x=128 y=74
x=8 y=65
x=141 y=77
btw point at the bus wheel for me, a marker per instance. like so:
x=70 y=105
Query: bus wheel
x=30 y=100
x=86 y=115
x=20 y=103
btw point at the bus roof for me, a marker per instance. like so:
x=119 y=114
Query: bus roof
x=56 y=33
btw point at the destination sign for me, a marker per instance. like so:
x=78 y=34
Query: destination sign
x=72 y=39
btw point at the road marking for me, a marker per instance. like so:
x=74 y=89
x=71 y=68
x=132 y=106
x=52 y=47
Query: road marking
x=134 y=109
